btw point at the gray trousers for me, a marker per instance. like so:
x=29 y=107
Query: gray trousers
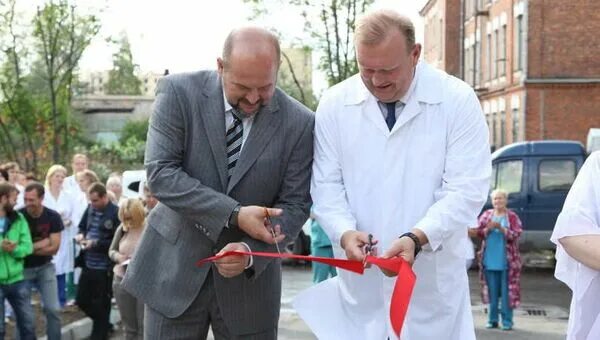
x=131 y=310
x=195 y=321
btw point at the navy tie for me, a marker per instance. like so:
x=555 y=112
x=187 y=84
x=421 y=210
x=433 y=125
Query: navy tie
x=390 y=120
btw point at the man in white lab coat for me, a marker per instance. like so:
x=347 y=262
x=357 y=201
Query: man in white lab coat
x=402 y=153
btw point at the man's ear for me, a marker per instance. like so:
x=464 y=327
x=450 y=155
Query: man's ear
x=220 y=66
x=416 y=53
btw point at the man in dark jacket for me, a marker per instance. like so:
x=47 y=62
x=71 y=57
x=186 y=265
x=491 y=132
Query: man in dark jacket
x=96 y=231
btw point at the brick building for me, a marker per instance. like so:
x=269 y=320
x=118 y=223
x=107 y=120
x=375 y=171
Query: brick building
x=533 y=63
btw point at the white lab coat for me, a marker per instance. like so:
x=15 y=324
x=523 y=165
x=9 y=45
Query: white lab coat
x=70 y=184
x=66 y=206
x=581 y=216
x=20 y=197
x=431 y=172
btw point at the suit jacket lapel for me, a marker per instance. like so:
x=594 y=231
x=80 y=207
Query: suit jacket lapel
x=213 y=115
x=265 y=124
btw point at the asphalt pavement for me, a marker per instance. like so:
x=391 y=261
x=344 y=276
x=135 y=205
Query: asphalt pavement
x=542 y=315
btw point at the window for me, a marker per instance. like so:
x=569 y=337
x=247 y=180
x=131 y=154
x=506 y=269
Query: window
x=515 y=125
x=440 y=36
x=495 y=55
x=469 y=6
x=509 y=176
x=134 y=186
x=502 y=128
x=489 y=57
x=502 y=51
x=477 y=56
x=556 y=175
x=469 y=65
x=519 y=42
x=494 y=131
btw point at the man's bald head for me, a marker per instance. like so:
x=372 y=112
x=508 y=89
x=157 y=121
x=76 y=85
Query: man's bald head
x=251 y=41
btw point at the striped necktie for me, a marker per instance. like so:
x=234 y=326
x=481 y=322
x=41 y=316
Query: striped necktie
x=234 y=135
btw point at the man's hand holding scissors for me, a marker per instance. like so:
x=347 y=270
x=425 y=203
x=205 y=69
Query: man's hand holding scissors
x=357 y=245
x=256 y=222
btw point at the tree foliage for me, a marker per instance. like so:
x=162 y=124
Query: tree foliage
x=37 y=69
x=122 y=78
x=137 y=129
x=329 y=25
x=21 y=113
x=61 y=35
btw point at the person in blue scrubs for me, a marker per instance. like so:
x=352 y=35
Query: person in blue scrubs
x=500 y=229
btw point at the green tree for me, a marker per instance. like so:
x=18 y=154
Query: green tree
x=137 y=129
x=329 y=25
x=61 y=35
x=289 y=81
x=122 y=78
x=19 y=113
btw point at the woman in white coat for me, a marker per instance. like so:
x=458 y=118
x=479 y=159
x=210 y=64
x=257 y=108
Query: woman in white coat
x=56 y=198
x=402 y=153
x=577 y=239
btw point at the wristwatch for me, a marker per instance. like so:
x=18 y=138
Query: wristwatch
x=233 y=218
x=415 y=240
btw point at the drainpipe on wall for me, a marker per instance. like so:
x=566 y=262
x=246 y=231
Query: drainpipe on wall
x=542 y=112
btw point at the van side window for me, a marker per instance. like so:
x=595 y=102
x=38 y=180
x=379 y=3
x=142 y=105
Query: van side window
x=556 y=175
x=509 y=176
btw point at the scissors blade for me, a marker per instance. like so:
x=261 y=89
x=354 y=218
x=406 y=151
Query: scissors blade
x=368 y=250
x=276 y=244
x=272 y=230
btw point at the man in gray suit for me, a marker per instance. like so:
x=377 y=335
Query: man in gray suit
x=221 y=147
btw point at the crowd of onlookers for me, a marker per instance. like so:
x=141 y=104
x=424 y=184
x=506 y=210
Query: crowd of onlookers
x=70 y=238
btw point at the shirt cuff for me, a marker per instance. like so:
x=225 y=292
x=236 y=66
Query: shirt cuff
x=430 y=228
x=251 y=259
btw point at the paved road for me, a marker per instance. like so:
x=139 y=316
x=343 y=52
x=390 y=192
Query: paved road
x=542 y=294
x=542 y=316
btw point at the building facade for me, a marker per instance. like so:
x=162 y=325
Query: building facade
x=533 y=63
x=94 y=82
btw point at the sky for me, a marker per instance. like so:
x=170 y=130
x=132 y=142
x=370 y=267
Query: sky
x=184 y=35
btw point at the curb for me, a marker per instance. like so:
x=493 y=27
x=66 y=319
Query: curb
x=82 y=328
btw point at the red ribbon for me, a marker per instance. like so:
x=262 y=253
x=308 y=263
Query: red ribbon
x=405 y=279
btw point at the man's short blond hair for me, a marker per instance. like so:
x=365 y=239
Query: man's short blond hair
x=79 y=155
x=373 y=27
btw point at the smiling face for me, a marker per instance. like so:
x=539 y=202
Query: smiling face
x=33 y=202
x=248 y=81
x=499 y=201
x=387 y=67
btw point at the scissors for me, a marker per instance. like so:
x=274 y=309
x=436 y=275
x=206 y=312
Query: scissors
x=271 y=228
x=369 y=248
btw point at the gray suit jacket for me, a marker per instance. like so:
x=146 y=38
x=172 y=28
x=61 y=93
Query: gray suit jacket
x=187 y=171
